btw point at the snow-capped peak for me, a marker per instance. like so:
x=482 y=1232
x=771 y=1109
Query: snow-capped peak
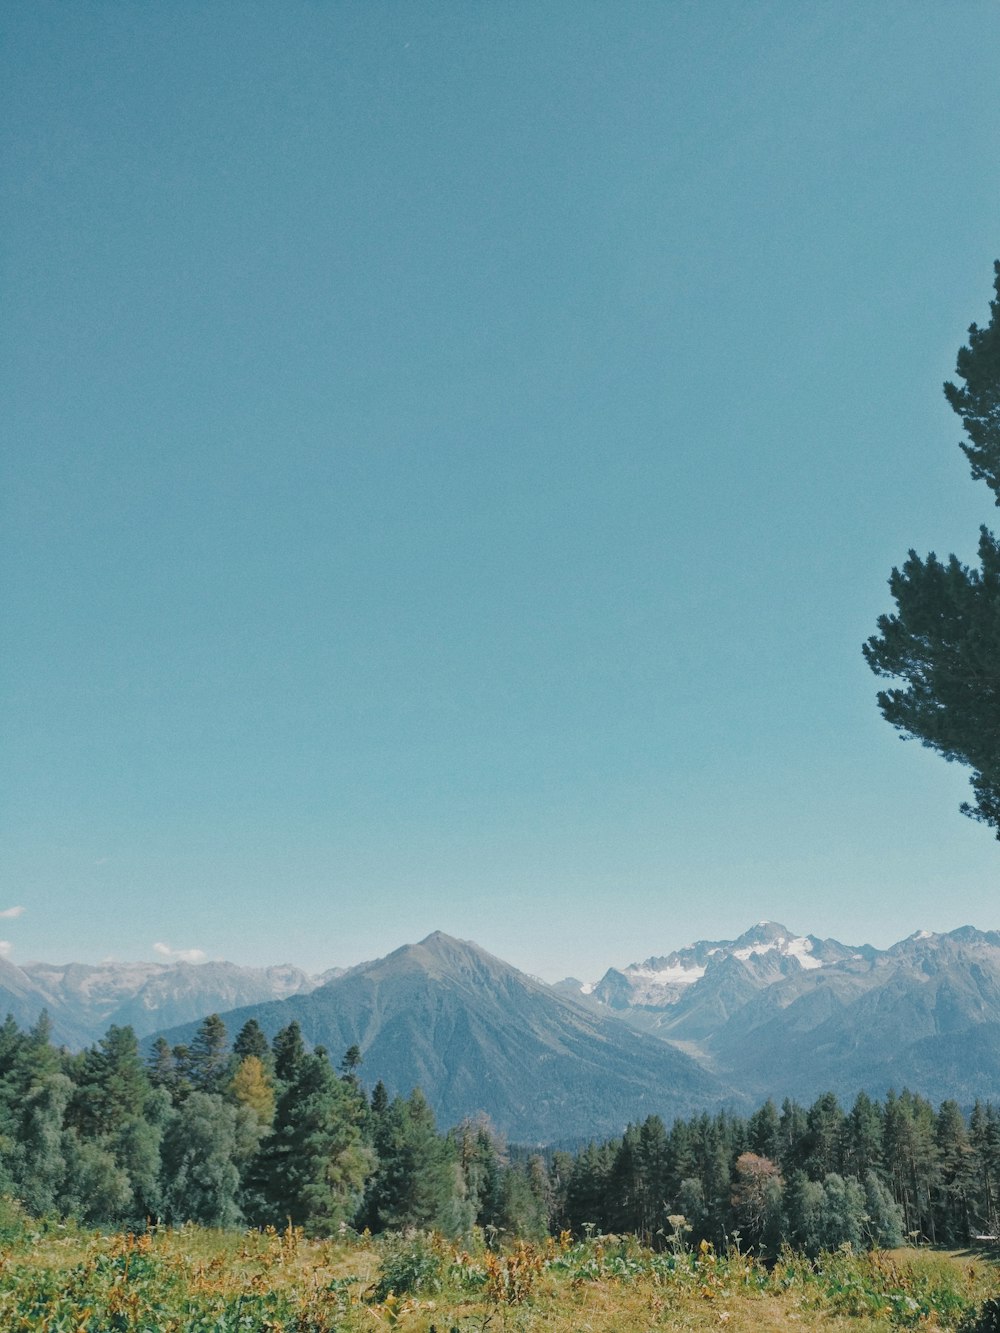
x=798 y=947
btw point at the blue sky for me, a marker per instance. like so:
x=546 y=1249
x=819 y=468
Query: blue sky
x=458 y=452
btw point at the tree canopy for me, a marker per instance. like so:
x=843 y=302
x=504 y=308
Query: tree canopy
x=943 y=641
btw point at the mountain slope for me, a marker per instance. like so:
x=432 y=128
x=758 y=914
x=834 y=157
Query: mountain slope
x=923 y=1014
x=83 y=1000
x=477 y=1035
x=776 y=1015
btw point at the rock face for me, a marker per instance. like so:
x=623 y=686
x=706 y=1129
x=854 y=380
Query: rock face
x=782 y=1015
x=477 y=1035
x=721 y=1022
x=83 y=1001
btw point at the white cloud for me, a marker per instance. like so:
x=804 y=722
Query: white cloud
x=10 y=913
x=5 y=948
x=179 y=955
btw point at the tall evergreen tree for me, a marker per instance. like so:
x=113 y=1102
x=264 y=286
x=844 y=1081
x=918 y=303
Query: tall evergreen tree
x=586 y=1204
x=625 y=1195
x=479 y=1155
x=115 y=1110
x=288 y=1051
x=911 y=1159
x=984 y=1135
x=764 y=1132
x=418 y=1175
x=210 y=1064
x=820 y=1148
x=861 y=1140
x=250 y=1040
x=312 y=1168
x=943 y=641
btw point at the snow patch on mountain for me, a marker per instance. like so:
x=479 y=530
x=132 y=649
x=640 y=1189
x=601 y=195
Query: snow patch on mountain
x=800 y=948
x=660 y=981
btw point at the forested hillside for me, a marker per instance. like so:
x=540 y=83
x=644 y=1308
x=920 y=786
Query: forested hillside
x=478 y=1035
x=261 y=1132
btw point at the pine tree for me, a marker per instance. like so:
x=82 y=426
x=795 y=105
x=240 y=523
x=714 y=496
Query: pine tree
x=313 y=1166
x=911 y=1159
x=624 y=1206
x=984 y=1133
x=210 y=1065
x=861 y=1141
x=793 y=1127
x=250 y=1040
x=522 y=1213
x=161 y=1066
x=956 y=1176
x=820 y=1148
x=114 y=1111
x=943 y=641
x=654 y=1150
x=418 y=1173
x=111 y=1085
x=764 y=1131
x=288 y=1052
x=587 y=1193
x=480 y=1157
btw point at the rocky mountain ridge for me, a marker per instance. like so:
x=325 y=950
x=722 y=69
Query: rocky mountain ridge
x=478 y=1036
x=83 y=1000
x=779 y=1014
x=771 y=1013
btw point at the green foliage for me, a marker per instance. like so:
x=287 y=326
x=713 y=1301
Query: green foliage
x=943 y=641
x=313 y=1166
x=984 y=1319
x=94 y=1137
x=14 y=1220
x=904 y=1294
x=411 y=1263
x=209 y=1059
x=204 y=1147
x=417 y=1180
x=288 y=1050
x=978 y=401
x=190 y=1280
x=250 y=1040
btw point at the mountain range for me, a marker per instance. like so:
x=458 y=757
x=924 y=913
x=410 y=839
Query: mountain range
x=724 y=1022
x=776 y=1014
x=83 y=1000
x=477 y=1035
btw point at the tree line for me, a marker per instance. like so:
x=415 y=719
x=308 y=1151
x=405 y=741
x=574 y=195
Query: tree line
x=881 y=1174
x=266 y=1133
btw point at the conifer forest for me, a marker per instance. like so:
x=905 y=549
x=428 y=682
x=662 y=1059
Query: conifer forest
x=257 y=1185
x=267 y=1134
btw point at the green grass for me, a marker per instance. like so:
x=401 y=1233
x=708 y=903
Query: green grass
x=57 y=1279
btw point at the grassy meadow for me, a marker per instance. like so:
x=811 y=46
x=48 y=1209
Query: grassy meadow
x=57 y=1279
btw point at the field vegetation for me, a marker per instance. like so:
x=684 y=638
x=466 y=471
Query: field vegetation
x=260 y=1188
x=58 y=1278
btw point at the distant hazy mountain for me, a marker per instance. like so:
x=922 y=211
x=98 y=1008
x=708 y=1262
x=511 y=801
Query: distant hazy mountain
x=24 y=998
x=768 y=1014
x=83 y=1000
x=776 y=1014
x=477 y=1035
